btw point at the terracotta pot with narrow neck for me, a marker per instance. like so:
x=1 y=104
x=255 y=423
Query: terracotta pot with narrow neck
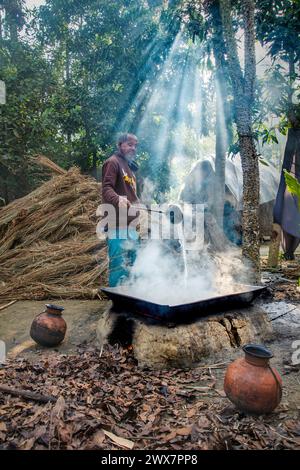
x=251 y=383
x=49 y=328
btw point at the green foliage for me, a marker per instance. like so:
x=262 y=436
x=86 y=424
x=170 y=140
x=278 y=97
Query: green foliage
x=266 y=134
x=293 y=185
x=74 y=69
x=278 y=29
x=23 y=129
x=70 y=80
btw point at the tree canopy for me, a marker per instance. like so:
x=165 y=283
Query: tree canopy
x=79 y=72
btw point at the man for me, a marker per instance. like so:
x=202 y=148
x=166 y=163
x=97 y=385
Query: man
x=119 y=190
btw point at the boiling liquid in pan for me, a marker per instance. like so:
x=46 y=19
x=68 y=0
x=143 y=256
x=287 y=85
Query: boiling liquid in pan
x=158 y=278
x=185 y=268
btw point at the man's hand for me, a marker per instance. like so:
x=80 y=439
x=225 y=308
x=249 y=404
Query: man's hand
x=123 y=202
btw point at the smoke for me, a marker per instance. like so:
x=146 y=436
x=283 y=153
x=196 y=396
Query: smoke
x=147 y=191
x=158 y=274
x=164 y=274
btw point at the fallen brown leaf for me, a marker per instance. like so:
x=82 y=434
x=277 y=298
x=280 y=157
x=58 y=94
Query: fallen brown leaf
x=120 y=441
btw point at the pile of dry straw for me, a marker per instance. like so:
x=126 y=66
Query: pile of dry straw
x=48 y=243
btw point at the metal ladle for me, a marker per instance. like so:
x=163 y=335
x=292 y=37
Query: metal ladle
x=174 y=213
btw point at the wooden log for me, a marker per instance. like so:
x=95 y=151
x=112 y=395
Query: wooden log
x=274 y=246
x=26 y=394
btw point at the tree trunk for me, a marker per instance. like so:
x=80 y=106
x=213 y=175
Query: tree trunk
x=221 y=148
x=11 y=10
x=94 y=164
x=219 y=50
x=1 y=34
x=67 y=63
x=68 y=76
x=292 y=114
x=243 y=85
x=250 y=169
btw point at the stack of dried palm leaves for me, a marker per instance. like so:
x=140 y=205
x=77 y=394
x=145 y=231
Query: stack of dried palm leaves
x=48 y=242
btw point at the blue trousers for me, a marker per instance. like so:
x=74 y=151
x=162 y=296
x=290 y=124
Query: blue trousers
x=122 y=248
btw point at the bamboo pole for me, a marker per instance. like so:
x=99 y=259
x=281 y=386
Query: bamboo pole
x=274 y=246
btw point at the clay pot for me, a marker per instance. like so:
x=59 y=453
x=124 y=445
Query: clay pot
x=251 y=383
x=49 y=328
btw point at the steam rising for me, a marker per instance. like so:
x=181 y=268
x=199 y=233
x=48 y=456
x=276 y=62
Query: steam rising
x=158 y=275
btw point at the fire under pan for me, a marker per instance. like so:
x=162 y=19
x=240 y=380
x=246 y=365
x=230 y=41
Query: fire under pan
x=181 y=313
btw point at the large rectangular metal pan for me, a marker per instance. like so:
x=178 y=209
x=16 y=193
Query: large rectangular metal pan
x=182 y=313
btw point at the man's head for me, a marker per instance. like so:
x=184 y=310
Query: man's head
x=127 y=145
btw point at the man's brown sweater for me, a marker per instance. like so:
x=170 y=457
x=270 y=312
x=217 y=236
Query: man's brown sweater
x=118 y=180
